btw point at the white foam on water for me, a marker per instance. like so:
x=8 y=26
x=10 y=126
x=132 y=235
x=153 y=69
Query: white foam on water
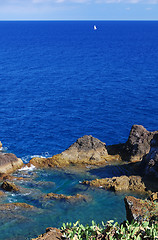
x=26 y=168
x=11 y=200
x=27 y=158
x=37 y=156
x=13 y=194
x=3 y=149
x=26 y=194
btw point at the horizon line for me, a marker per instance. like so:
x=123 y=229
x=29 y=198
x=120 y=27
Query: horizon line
x=76 y=20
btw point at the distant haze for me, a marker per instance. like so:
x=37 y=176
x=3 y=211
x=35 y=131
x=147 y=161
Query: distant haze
x=78 y=9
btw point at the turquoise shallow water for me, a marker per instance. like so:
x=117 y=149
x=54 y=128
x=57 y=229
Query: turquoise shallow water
x=101 y=205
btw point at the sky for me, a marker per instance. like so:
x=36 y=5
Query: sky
x=78 y=9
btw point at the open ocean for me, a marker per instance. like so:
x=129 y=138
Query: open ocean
x=60 y=80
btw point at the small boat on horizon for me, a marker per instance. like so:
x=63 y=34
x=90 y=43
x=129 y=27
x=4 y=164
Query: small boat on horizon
x=95 y=27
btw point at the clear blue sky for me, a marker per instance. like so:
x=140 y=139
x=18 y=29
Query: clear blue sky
x=78 y=9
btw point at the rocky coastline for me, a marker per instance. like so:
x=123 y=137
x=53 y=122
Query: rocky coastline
x=141 y=149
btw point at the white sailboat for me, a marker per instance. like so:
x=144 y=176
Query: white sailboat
x=95 y=27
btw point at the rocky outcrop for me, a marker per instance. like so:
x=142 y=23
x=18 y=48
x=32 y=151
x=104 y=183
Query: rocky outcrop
x=9 y=163
x=139 y=210
x=86 y=150
x=137 y=145
x=62 y=197
x=50 y=234
x=123 y=183
x=9 y=186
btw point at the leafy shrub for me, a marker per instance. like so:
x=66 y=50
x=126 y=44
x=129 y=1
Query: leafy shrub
x=111 y=231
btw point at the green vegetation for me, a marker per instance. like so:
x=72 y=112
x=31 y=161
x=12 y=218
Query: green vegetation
x=111 y=231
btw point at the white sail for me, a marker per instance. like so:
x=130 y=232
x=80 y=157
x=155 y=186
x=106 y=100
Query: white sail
x=95 y=28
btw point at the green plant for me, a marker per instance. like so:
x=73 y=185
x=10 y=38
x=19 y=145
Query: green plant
x=111 y=231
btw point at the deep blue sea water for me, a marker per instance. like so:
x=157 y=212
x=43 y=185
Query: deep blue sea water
x=62 y=80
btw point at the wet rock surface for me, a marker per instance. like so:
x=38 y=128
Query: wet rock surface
x=123 y=183
x=9 y=186
x=139 y=210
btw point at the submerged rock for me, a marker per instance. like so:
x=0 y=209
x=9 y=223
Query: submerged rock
x=62 y=197
x=9 y=186
x=86 y=150
x=9 y=163
x=123 y=183
x=140 y=210
x=50 y=234
x=15 y=206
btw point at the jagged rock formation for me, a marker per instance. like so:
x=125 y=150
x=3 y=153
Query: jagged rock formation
x=9 y=163
x=123 y=183
x=139 y=210
x=86 y=150
x=137 y=145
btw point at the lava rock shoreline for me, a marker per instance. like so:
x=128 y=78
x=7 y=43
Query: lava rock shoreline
x=141 y=150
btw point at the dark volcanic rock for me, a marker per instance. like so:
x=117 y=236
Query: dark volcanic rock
x=137 y=145
x=149 y=164
x=139 y=210
x=9 y=186
x=9 y=162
